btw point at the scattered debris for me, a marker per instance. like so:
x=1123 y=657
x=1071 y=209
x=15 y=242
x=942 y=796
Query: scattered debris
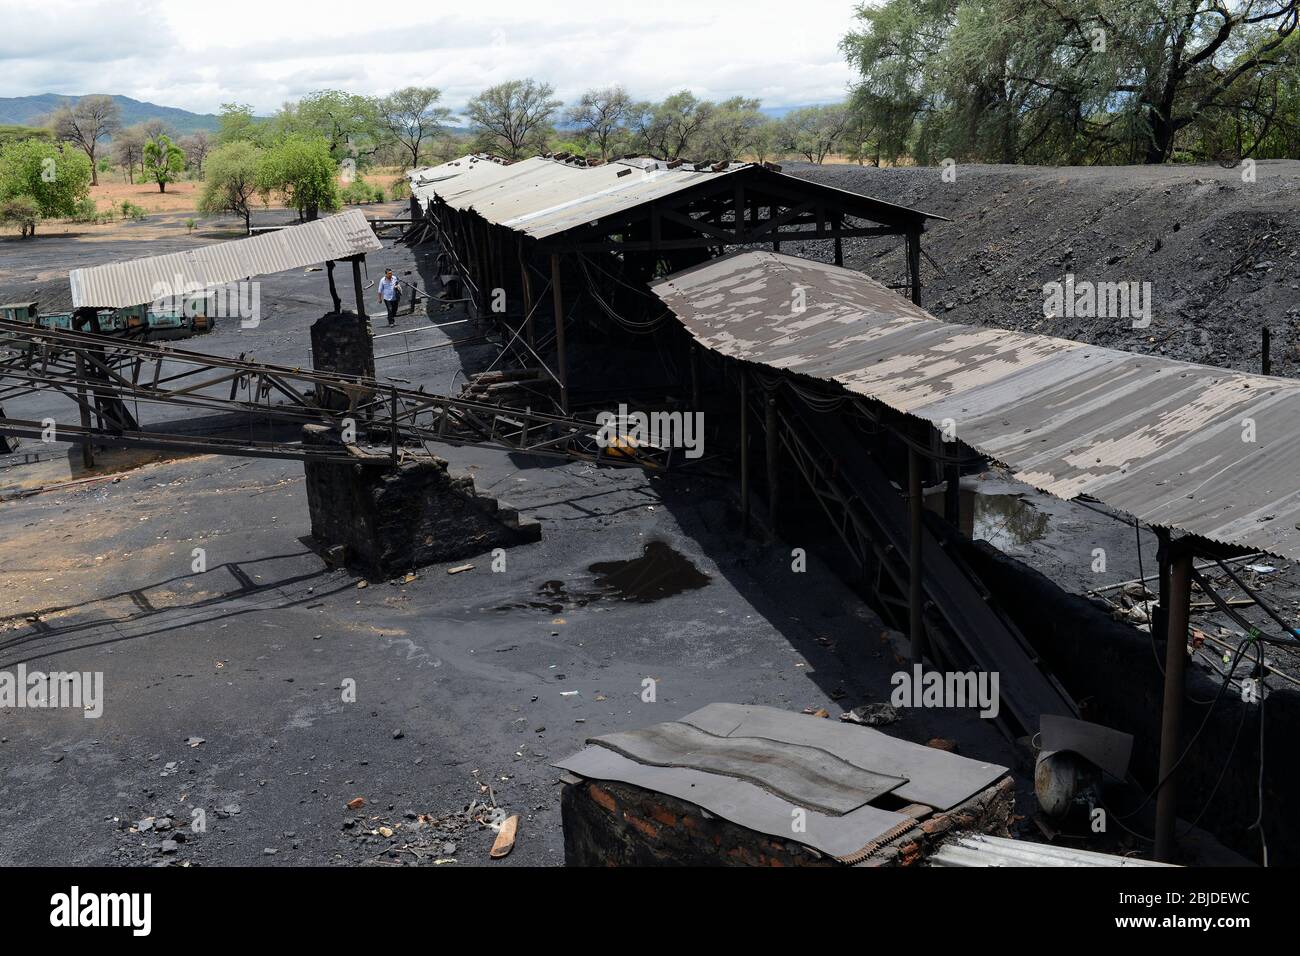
x=871 y=715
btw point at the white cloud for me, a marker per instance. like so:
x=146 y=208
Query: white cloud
x=199 y=55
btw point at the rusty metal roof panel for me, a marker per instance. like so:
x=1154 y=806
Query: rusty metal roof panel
x=1160 y=439
x=139 y=281
x=544 y=197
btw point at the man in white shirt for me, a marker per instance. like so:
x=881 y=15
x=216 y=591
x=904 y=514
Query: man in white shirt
x=390 y=294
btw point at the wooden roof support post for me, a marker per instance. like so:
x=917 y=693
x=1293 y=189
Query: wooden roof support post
x=914 y=262
x=916 y=591
x=773 y=439
x=1178 y=602
x=356 y=285
x=560 y=362
x=744 y=450
x=83 y=405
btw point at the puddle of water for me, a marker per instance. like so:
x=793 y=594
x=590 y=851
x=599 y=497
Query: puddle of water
x=1006 y=520
x=1003 y=520
x=658 y=573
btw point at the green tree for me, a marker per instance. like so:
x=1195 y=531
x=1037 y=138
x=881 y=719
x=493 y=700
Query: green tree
x=412 y=116
x=601 y=115
x=55 y=178
x=20 y=211
x=237 y=124
x=164 y=161
x=1070 y=80
x=301 y=169
x=349 y=123
x=514 y=118
x=230 y=180
x=813 y=131
x=732 y=129
x=86 y=122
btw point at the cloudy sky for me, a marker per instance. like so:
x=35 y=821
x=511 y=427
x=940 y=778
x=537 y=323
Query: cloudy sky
x=198 y=55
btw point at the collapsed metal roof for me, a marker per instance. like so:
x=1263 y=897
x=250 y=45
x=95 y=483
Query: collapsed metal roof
x=140 y=281
x=1163 y=440
x=756 y=765
x=543 y=197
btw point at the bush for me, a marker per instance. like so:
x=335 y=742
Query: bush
x=131 y=211
x=378 y=194
x=55 y=178
x=357 y=191
x=85 y=210
x=22 y=211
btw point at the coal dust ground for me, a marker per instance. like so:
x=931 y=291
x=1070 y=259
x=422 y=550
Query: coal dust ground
x=1222 y=254
x=225 y=688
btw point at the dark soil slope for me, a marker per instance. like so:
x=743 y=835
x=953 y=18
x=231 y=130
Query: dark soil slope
x=1222 y=254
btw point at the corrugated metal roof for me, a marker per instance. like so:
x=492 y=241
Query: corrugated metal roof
x=137 y=281
x=977 y=849
x=756 y=765
x=1153 y=437
x=544 y=197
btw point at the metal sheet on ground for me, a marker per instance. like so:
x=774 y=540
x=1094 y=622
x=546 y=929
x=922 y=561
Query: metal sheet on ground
x=805 y=775
x=740 y=802
x=934 y=777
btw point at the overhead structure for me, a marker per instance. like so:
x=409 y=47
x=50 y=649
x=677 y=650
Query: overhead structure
x=137 y=281
x=1204 y=450
x=535 y=235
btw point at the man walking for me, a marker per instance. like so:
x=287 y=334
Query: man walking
x=390 y=294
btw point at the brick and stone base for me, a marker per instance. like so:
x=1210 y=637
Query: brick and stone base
x=389 y=518
x=342 y=343
x=616 y=824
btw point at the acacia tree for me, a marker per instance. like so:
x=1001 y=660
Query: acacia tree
x=514 y=117
x=1068 y=80
x=602 y=115
x=196 y=147
x=164 y=161
x=412 y=116
x=230 y=181
x=813 y=131
x=733 y=129
x=128 y=149
x=86 y=122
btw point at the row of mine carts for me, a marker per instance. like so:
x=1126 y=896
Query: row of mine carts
x=192 y=319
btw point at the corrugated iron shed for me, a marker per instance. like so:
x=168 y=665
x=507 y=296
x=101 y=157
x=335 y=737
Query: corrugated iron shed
x=542 y=197
x=1159 y=439
x=978 y=850
x=138 y=281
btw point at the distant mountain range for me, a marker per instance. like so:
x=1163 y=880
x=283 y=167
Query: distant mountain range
x=30 y=110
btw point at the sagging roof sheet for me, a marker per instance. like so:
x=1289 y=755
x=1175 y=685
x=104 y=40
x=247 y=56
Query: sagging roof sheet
x=1159 y=439
x=544 y=197
x=140 y=281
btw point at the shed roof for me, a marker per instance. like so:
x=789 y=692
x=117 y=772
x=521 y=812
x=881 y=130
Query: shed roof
x=138 y=281
x=543 y=197
x=1166 y=441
